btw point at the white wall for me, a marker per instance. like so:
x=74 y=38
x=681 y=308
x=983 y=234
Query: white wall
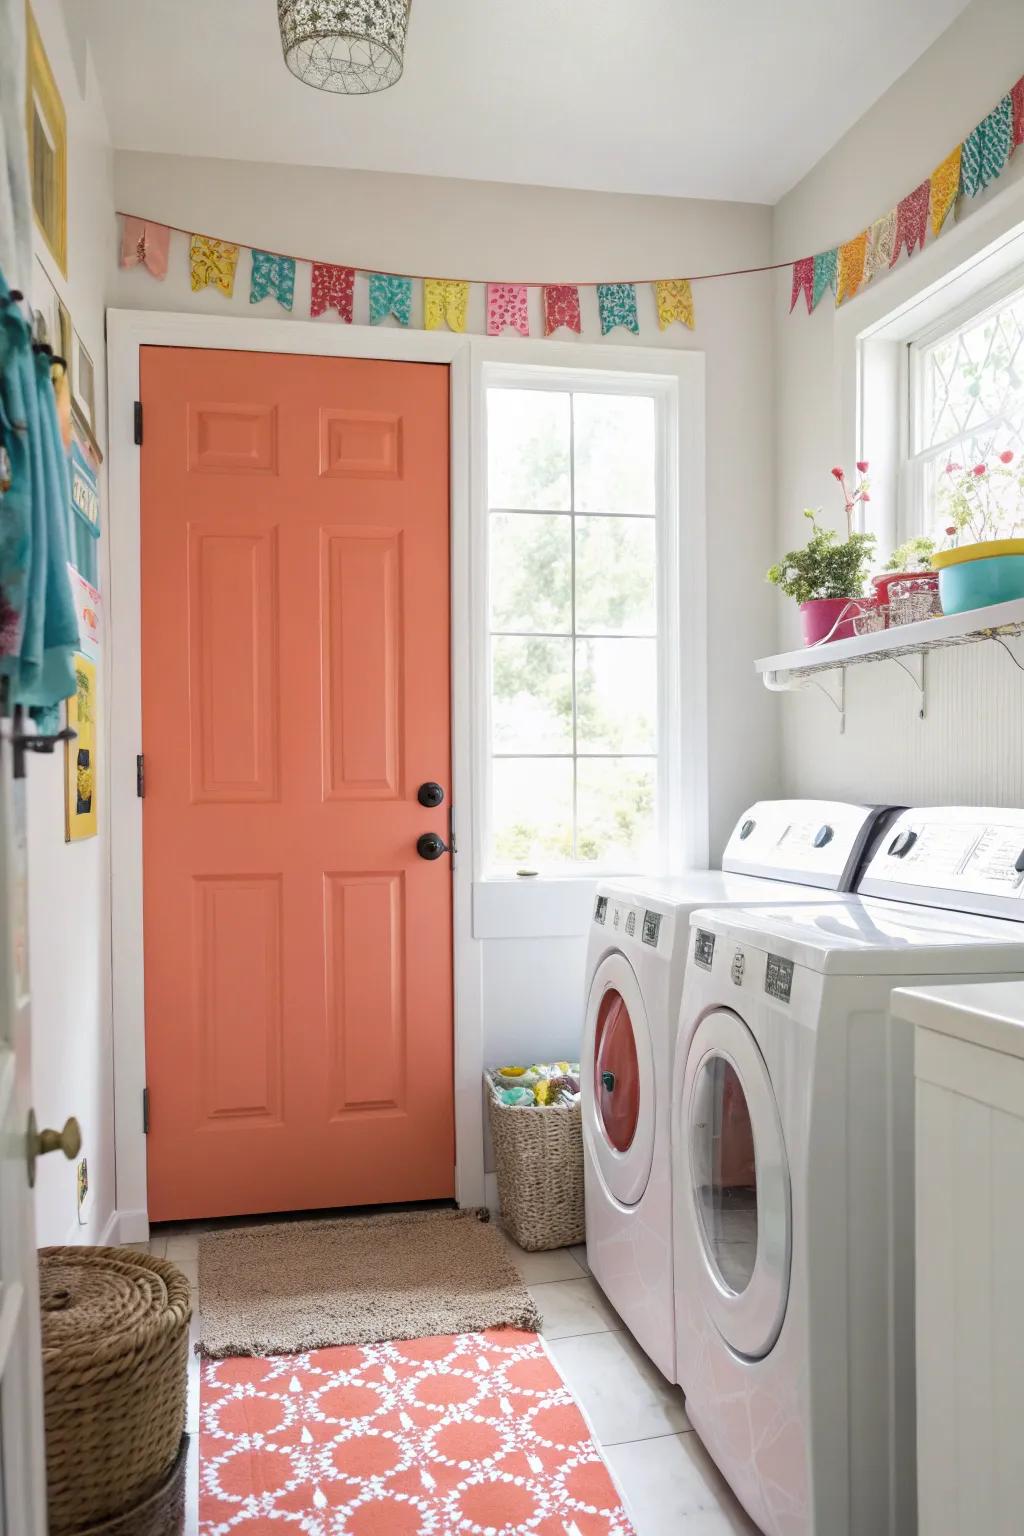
x=532 y=988
x=69 y=891
x=970 y=745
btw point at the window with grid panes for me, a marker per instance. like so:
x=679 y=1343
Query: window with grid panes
x=572 y=499
x=967 y=409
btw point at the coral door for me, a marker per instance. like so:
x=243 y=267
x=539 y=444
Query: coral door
x=295 y=686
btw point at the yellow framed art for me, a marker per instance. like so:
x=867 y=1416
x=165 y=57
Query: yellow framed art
x=80 y=768
x=47 y=126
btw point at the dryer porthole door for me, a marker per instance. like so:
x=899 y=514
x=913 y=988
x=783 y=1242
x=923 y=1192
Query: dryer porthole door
x=741 y=1206
x=618 y=1081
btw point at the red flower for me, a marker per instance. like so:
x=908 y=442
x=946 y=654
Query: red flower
x=1007 y=457
x=952 y=468
x=864 y=496
x=979 y=470
x=862 y=465
x=951 y=531
x=838 y=472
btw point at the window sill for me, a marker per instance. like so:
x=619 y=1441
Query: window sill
x=542 y=907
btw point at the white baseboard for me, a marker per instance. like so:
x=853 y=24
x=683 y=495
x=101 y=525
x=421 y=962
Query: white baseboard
x=131 y=1226
x=111 y=1234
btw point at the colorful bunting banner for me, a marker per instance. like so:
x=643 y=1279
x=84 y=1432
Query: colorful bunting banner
x=561 y=307
x=507 y=306
x=911 y=221
x=986 y=149
x=852 y=257
x=333 y=288
x=445 y=303
x=146 y=243
x=273 y=277
x=212 y=264
x=616 y=304
x=674 y=299
x=826 y=270
x=390 y=296
x=803 y=282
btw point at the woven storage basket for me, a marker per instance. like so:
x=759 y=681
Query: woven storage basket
x=115 y=1348
x=538 y=1156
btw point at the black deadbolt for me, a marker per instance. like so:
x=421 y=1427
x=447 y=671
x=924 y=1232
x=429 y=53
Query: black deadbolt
x=430 y=846
x=430 y=794
x=608 y=1081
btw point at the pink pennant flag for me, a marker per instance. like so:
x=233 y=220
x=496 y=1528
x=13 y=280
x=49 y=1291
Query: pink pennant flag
x=1017 y=98
x=803 y=283
x=912 y=221
x=145 y=243
x=506 y=305
x=332 y=289
x=561 y=307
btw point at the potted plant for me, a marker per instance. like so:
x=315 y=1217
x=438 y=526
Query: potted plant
x=985 y=503
x=827 y=576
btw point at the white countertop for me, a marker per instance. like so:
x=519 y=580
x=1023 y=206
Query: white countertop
x=987 y=1013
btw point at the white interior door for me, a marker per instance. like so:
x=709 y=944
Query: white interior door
x=22 y=1466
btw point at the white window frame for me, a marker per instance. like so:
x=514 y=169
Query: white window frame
x=676 y=382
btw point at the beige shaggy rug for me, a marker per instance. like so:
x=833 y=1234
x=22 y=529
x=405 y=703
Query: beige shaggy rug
x=300 y=1285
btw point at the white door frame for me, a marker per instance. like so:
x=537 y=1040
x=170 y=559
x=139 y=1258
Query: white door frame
x=127 y=331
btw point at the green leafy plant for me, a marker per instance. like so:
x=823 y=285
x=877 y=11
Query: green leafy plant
x=826 y=566
x=913 y=555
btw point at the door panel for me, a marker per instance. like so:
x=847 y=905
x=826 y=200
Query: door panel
x=295 y=660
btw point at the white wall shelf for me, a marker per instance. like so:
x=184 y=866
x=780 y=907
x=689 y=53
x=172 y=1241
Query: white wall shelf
x=906 y=645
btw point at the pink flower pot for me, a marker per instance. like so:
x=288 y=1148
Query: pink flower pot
x=829 y=618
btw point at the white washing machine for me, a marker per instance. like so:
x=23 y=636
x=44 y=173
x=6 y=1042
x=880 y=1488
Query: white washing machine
x=634 y=974
x=793 y=1153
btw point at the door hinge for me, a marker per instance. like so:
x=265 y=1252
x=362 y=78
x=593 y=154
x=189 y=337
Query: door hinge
x=452 y=845
x=145 y=1111
x=138 y=423
x=140 y=776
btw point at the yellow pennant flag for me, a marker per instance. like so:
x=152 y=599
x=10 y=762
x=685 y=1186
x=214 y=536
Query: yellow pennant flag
x=674 y=298
x=945 y=184
x=213 y=264
x=852 y=257
x=444 y=302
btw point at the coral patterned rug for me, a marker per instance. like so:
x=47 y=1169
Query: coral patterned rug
x=469 y=1433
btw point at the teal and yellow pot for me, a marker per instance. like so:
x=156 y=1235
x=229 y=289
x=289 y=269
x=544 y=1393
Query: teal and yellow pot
x=976 y=575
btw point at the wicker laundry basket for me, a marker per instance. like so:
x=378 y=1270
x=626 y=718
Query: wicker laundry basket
x=538 y=1157
x=115 y=1349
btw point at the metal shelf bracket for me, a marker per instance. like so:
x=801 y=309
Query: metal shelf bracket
x=790 y=683
x=913 y=665
x=1009 y=649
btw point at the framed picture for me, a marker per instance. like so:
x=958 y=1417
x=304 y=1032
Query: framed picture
x=83 y=382
x=80 y=755
x=47 y=126
x=52 y=320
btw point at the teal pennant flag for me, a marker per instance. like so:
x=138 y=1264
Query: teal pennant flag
x=272 y=277
x=616 y=303
x=390 y=296
x=986 y=149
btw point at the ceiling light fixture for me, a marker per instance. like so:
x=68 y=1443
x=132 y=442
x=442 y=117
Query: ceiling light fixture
x=348 y=46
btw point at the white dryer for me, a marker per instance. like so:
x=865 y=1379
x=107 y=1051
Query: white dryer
x=634 y=974
x=793 y=1150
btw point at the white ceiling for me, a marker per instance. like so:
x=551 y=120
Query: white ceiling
x=693 y=98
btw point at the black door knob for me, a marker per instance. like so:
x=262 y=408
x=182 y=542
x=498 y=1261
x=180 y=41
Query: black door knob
x=430 y=846
x=430 y=794
x=608 y=1082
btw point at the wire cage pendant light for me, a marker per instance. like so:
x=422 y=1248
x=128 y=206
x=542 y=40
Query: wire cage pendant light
x=351 y=47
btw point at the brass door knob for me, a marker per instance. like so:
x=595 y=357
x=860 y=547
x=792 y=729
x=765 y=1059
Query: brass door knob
x=68 y=1141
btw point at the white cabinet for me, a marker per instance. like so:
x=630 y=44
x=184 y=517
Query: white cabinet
x=969 y=1069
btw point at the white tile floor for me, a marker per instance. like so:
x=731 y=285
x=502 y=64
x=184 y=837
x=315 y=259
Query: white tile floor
x=669 y=1481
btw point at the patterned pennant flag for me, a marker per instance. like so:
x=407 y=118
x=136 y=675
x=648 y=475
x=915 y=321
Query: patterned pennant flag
x=145 y=243
x=945 y=185
x=333 y=288
x=561 y=307
x=616 y=303
x=445 y=303
x=912 y=221
x=674 y=299
x=986 y=149
x=506 y=306
x=213 y=264
x=390 y=296
x=826 y=266
x=1017 y=97
x=852 y=257
x=881 y=244
x=273 y=277
x=803 y=283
